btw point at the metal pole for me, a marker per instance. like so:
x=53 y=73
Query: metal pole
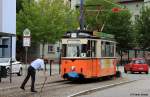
x=10 y=59
x=128 y=56
x=50 y=69
x=60 y=62
x=81 y=15
x=59 y=57
x=121 y=57
x=26 y=56
x=135 y=53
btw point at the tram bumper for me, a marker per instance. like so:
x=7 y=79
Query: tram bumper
x=73 y=75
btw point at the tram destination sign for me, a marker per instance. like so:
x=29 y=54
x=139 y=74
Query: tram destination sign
x=74 y=41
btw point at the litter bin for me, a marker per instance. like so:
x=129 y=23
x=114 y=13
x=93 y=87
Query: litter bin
x=3 y=72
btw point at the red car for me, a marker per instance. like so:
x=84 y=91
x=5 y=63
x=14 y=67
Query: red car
x=137 y=65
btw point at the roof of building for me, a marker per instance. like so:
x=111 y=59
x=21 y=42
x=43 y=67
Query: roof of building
x=6 y=34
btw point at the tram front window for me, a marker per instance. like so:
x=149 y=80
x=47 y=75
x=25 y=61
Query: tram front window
x=74 y=50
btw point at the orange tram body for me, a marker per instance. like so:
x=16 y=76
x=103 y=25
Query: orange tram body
x=85 y=55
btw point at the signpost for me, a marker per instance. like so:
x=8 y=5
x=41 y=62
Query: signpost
x=26 y=42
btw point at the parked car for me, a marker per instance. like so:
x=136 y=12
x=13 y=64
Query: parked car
x=137 y=65
x=16 y=65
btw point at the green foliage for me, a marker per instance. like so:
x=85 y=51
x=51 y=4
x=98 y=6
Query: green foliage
x=47 y=19
x=116 y=23
x=142 y=26
x=18 y=5
x=119 y=24
x=97 y=11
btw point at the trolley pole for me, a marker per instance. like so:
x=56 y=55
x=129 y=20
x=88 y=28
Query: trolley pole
x=81 y=15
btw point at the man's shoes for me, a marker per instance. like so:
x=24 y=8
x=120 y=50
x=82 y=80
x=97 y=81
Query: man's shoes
x=22 y=88
x=33 y=91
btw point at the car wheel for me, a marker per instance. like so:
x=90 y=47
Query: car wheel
x=146 y=72
x=132 y=72
x=20 y=72
x=8 y=71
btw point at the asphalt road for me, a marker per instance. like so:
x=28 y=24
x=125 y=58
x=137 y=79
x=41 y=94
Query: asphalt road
x=139 y=88
x=66 y=88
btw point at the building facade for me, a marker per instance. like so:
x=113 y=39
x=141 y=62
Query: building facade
x=72 y=3
x=147 y=3
x=7 y=28
x=134 y=6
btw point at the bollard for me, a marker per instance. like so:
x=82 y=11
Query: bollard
x=0 y=73
x=50 y=71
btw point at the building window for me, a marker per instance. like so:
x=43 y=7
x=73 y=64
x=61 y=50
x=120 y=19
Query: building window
x=136 y=16
x=50 y=48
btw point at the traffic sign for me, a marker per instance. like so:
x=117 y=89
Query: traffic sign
x=26 y=37
x=26 y=41
x=26 y=32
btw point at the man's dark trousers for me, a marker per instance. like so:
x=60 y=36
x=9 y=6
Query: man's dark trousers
x=31 y=72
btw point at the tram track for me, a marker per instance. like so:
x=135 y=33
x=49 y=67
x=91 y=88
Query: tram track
x=89 y=91
x=59 y=88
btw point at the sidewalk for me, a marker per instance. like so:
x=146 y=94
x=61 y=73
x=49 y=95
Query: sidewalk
x=17 y=80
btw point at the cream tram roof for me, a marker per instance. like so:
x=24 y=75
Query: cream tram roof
x=88 y=34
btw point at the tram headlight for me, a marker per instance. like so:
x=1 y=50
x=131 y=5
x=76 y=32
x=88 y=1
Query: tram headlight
x=73 y=68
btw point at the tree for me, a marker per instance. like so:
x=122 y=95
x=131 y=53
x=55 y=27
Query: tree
x=142 y=28
x=18 y=5
x=120 y=25
x=47 y=20
x=110 y=18
x=96 y=12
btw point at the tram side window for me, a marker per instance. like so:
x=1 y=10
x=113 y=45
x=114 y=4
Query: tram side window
x=91 y=49
x=112 y=50
x=64 y=46
x=83 y=50
x=103 y=49
x=107 y=49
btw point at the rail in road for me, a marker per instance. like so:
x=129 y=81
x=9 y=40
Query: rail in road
x=61 y=88
x=99 y=88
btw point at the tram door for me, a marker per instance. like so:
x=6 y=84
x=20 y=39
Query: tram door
x=92 y=55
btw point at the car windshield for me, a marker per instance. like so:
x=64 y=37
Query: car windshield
x=4 y=60
x=139 y=61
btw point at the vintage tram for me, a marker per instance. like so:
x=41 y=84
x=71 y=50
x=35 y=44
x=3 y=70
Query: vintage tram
x=88 y=54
